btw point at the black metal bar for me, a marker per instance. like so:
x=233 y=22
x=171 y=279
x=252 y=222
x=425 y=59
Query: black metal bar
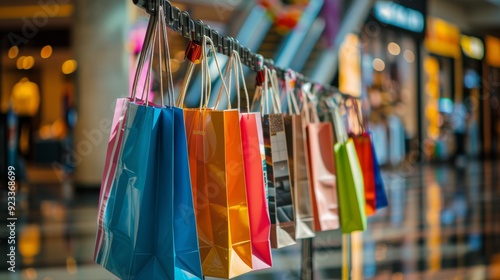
x=197 y=31
x=186 y=25
x=181 y=23
x=176 y=18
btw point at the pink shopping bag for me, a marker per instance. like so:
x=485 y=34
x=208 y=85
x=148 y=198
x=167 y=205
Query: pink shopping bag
x=112 y=155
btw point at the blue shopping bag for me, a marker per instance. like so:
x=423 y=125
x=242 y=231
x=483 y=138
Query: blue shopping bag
x=187 y=262
x=149 y=231
x=128 y=217
x=380 y=196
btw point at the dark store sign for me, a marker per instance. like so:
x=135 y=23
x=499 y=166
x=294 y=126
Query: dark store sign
x=400 y=16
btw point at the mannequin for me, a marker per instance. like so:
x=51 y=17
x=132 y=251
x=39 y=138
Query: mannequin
x=25 y=98
x=25 y=102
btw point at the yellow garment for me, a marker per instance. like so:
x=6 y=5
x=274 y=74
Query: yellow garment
x=25 y=98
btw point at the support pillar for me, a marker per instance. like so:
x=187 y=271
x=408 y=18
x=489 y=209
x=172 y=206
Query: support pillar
x=99 y=43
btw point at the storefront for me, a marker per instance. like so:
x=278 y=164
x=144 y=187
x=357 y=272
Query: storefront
x=391 y=43
x=473 y=54
x=442 y=88
x=37 y=88
x=491 y=98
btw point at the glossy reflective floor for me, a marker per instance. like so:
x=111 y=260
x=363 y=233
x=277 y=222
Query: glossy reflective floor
x=442 y=223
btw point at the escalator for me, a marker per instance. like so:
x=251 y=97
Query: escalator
x=269 y=46
x=301 y=49
x=256 y=32
x=354 y=16
x=293 y=49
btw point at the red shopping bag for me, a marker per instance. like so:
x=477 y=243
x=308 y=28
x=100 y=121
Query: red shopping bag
x=365 y=155
x=254 y=159
x=364 y=149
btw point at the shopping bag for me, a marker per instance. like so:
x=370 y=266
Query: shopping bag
x=323 y=176
x=350 y=186
x=321 y=166
x=218 y=183
x=297 y=158
x=254 y=158
x=217 y=174
x=364 y=149
x=149 y=231
x=112 y=155
x=128 y=249
x=363 y=146
x=298 y=165
x=380 y=195
x=278 y=181
x=116 y=137
x=180 y=208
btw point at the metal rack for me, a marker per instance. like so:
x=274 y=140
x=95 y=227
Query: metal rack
x=192 y=29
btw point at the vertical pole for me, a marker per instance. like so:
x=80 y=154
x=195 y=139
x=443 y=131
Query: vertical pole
x=346 y=256
x=420 y=102
x=307 y=271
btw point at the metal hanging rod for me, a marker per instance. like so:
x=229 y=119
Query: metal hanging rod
x=194 y=30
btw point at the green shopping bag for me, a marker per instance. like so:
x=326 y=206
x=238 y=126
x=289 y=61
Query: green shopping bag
x=350 y=186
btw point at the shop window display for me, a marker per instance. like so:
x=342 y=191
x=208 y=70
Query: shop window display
x=38 y=91
x=392 y=92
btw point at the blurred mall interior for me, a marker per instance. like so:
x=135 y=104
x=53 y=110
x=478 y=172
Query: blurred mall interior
x=427 y=74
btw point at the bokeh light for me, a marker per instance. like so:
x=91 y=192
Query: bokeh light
x=28 y=62
x=19 y=62
x=175 y=64
x=13 y=52
x=378 y=64
x=46 y=52
x=409 y=56
x=394 y=48
x=69 y=66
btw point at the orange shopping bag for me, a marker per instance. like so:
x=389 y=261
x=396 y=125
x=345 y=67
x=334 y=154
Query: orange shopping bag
x=254 y=158
x=218 y=182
